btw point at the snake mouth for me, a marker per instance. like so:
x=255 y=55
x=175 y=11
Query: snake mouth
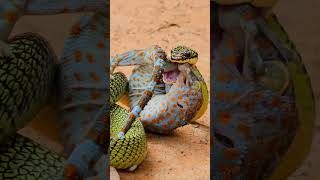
x=177 y=57
x=182 y=59
x=170 y=73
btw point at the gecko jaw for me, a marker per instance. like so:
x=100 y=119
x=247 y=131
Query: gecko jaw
x=170 y=77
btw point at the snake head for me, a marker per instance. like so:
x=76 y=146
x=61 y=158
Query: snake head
x=182 y=58
x=183 y=54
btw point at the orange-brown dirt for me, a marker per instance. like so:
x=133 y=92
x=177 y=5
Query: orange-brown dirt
x=139 y=24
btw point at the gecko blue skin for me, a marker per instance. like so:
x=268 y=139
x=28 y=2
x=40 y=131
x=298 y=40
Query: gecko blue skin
x=83 y=72
x=83 y=76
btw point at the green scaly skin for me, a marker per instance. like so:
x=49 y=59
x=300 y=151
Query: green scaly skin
x=131 y=150
x=28 y=82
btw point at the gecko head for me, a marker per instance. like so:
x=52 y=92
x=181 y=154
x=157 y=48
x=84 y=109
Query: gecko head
x=180 y=56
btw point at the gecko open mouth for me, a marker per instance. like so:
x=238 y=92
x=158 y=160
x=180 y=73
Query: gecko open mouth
x=170 y=73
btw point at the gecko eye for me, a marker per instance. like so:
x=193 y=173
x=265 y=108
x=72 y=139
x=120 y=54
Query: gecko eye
x=224 y=140
x=180 y=106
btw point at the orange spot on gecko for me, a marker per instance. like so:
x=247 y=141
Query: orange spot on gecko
x=70 y=171
x=77 y=55
x=105 y=120
x=171 y=121
x=10 y=17
x=90 y=57
x=75 y=29
x=94 y=77
x=168 y=115
x=258 y=95
x=77 y=76
x=173 y=99
x=244 y=130
x=225 y=117
x=95 y=95
x=162 y=118
x=231 y=59
x=231 y=153
x=221 y=95
x=231 y=44
x=223 y=77
x=101 y=45
x=107 y=35
x=131 y=116
x=275 y=102
x=164 y=126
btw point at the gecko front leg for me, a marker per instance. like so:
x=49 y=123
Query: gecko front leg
x=155 y=59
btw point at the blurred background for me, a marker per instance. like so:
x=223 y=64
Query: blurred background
x=139 y=24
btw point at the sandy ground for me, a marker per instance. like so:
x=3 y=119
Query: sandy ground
x=139 y=24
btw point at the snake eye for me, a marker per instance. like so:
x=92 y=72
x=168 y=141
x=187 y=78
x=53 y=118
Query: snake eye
x=187 y=53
